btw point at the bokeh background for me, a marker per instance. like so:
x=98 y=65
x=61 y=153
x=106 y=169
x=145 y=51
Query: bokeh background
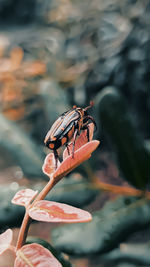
x=58 y=53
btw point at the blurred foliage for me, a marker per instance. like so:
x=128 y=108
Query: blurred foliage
x=129 y=253
x=57 y=53
x=133 y=157
x=20 y=146
x=110 y=225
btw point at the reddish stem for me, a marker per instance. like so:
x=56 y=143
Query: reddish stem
x=27 y=220
x=23 y=230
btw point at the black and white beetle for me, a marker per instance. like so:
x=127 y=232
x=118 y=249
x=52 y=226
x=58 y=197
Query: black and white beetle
x=68 y=126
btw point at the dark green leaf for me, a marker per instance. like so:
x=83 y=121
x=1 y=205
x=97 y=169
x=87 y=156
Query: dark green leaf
x=11 y=215
x=109 y=226
x=55 y=100
x=132 y=156
x=21 y=148
x=73 y=192
x=137 y=253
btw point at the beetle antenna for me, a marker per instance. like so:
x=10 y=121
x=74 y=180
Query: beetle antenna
x=91 y=105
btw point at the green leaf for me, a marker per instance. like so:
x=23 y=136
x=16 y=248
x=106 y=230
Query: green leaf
x=73 y=192
x=21 y=148
x=137 y=253
x=58 y=255
x=55 y=100
x=11 y=215
x=109 y=227
x=116 y=121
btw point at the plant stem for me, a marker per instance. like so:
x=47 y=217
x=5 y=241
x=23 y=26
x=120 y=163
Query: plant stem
x=45 y=191
x=27 y=220
x=23 y=230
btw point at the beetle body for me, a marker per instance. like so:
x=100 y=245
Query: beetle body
x=66 y=127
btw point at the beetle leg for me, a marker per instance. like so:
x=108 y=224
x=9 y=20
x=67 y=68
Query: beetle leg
x=56 y=158
x=67 y=149
x=85 y=127
x=88 y=117
x=74 y=140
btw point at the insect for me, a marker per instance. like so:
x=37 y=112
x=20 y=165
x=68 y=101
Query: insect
x=68 y=126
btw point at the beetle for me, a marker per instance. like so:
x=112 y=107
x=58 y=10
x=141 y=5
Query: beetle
x=68 y=126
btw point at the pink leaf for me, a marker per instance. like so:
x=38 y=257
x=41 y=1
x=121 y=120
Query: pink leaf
x=24 y=197
x=35 y=255
x=49 y=164
x=80 y=155
x=81 y=140
x=5 y=240
x=48 y=211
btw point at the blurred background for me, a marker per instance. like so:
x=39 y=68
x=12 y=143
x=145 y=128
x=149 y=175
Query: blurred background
x=53 y=55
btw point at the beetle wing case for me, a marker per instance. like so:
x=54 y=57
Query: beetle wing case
x=67 y=126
